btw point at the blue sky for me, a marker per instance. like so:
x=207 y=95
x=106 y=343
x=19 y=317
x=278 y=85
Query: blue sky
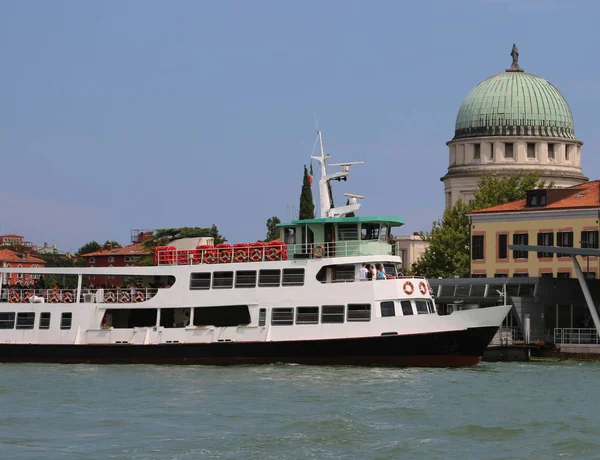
x=148 y=114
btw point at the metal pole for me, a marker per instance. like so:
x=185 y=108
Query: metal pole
x=586 y=294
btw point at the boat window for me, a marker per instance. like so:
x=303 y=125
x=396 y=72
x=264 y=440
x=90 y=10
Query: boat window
x=389 y=269
x=7 y=320
x=25 y=320
x=407 y=308
x=262 y=316
x=282 y=316
x=222 y=280
x=200 y=281
x=45 y=320
x=359 y=312
x=128 y=318
x=65 y=320
x=307 y=315
x=269 y=278
x=370 y=231
x=332 y=314
x=430 y=306
x=225 y=316
x=347 y=232
x=289 y=236
x=339 y=273
x=422 y=308
x=293 y=277
x=245 y=279
x=388 y=309
x=175 y=317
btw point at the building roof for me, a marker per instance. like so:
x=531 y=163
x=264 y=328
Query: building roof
x=576 y=197
x=393 y=221
x=514 y=103
x=11 y=235
x=6 y=255
x=136 y=249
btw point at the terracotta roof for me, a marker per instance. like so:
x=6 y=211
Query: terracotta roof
x=578 y=196
x=6 y=255
x=11 y=235
x=131 y=250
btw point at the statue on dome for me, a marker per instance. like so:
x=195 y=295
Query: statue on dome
x=515 y=60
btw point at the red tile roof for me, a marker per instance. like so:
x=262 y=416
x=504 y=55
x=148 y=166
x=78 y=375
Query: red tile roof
x=6 y=255
x=576 y=197
x=131 y=250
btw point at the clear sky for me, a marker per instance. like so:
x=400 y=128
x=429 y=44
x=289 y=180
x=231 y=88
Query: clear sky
x=120 y=115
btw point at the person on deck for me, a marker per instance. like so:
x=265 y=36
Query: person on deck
x=363 y=272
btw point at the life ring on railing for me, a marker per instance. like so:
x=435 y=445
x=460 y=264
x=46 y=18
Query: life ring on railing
x=273 y=253
x=209 y=257
x=241 y=255
x=68 y=297
x=19 y=282
x=318 y=251
x=138 y=297
x=422 y=288
x=125 y=297
x=54 y=296
x=256 y=254
x=110 y=297
x=408 y=287
x=429 y=288
x=225 y=257
x=26 y=296
x=14 y=297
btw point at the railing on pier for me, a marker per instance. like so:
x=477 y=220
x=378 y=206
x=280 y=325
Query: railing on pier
x=507 y=336
x=117 y=296
x=576 y=336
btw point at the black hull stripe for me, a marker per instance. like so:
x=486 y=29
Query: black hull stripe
x=455 y=348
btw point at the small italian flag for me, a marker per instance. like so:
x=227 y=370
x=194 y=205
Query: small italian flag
x=310 y=174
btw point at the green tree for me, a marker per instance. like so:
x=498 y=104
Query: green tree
x=307 y=206
x=272 y=230
x=448 y=254
x=163 y=236
x=92 y=246
x=111 y=244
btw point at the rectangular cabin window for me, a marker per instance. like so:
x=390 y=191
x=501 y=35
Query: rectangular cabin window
x=503 y=246
x=508 y=150
x=388 y=309
x=347 y=232
x=307 y=315
x=65 y=320
x=45 y=320
x=7 y=320
x=407 y=308
x=128 y=318
x=222 y=280
x=223 y=316
x=25 y=320
x=359 y=312
x=430 y=306
x=289 y=236
x=293 y=277
x=200 y=281
x=245 y=279
x=332 y=314
x=422 y=307
x=269 y=278
x=343 y=273
x=262 y=317
x=530 y=150
x=282 y=317
x=551 y=154
x=476 y=151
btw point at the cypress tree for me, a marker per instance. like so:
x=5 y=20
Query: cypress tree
x=307 y=206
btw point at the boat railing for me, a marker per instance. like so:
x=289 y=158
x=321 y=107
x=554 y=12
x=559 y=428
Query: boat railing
x=576 y=336
x=111 y=295
x=273 y=251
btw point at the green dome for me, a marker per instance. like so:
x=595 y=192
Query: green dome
x=514 y=103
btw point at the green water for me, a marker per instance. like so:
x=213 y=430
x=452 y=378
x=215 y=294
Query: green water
x=492 y=411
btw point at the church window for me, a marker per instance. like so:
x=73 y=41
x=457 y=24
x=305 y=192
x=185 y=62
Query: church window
x=476 y=151
x=508 y=150
x=551 y=151
x=567 y=148
x=530 y=150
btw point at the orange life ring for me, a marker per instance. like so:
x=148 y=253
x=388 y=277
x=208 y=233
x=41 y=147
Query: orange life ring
x=68 y=297
x=225 y=257
x=138 y=297
x=209 y=257
x=318 y=251
x=422 y=288
x=110 y=297
x=256 y=254
x=273 y=253
x=54 y=296
x=429 y=288
x=408 y=287
x=125 y=297
x=26 y=296
x=14 y=297
x=241 y=255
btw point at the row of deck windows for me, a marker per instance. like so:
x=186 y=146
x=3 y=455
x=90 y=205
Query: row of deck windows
x=247 y=279
x=26 y=320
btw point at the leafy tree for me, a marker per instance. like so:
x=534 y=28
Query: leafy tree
x=272 y=230
x=163 y=236
x=92 y=246
x=307 y=206
x=448 y=254
x=111 y=244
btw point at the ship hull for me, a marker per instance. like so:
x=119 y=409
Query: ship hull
x=439 y=349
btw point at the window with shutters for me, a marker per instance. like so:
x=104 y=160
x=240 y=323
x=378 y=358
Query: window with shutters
x=521 y=239
x=545 y=239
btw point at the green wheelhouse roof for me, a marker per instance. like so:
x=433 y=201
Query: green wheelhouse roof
x=393 y=221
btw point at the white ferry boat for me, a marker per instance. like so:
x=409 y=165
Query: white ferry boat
x=298 y=300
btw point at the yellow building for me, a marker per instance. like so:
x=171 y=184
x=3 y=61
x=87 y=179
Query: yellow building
x=565 y=217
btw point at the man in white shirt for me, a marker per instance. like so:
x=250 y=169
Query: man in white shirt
x=363 y=272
